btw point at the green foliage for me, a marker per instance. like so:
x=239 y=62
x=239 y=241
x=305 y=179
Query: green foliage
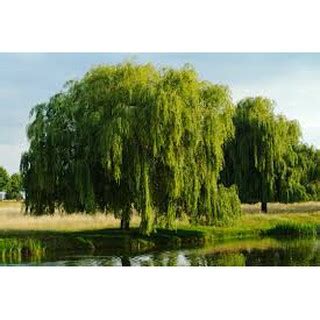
x=294 y=229
x=128 y=136
x=228 y=204
x=4 y=178
x=308 y=169
x=261 y=157
x=14 y=187
x=13 y=250
x=228 y=259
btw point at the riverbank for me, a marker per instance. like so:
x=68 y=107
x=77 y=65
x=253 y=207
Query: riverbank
x=254 y=225
x=185 y=236
x=100 y=233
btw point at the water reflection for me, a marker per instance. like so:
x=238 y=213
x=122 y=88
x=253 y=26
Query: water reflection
x=255 y=252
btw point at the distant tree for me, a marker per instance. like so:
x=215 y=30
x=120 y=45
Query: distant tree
x=14 y=187
x=307 y=170
x=290 y=168
x=256 y=160
x=4 y=178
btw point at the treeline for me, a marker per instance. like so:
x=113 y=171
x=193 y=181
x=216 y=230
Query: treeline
x=162 y=142
x=11 y=185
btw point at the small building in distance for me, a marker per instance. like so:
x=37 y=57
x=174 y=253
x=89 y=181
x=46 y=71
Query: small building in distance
x=3 y=195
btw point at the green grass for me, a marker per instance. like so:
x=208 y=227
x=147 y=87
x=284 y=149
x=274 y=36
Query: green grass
x=13 y=250
x=256 y=225
x=294 y=229
x=56 y=233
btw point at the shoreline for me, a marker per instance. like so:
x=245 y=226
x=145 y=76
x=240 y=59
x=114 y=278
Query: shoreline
x=101 y=233
x=185 y=236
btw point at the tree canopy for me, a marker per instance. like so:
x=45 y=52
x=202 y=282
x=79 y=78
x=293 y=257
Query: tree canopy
x=304 y=174
x=260 y=159
x=132 y=136
x=14 y=187
x=4 y=178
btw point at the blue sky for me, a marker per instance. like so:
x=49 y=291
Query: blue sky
x=292 y=80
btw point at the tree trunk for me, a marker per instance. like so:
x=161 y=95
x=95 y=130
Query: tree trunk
x=264 y=207
x=125 y=223
x=125 y=218
x=125 y=261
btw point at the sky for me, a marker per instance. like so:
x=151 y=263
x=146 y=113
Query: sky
x=291 y=80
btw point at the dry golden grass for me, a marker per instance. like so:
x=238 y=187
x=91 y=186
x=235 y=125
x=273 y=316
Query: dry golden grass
x=274 y=208
x=12 y=218
x=10 y=204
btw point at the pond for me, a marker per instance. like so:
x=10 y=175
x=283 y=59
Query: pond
x=249 y=252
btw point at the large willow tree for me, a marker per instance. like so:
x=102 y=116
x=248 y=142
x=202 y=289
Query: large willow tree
x=132 y=136
x=261 y=160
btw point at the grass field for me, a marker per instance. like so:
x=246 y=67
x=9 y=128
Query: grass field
x=13 y=218
x=297 y=218
x=276 y=208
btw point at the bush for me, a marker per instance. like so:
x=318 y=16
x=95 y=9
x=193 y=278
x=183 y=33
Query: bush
x=293 y=229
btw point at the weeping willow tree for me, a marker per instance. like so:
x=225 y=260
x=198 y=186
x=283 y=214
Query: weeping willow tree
x=132 y=136
x=306 y=172
x=261 y=160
